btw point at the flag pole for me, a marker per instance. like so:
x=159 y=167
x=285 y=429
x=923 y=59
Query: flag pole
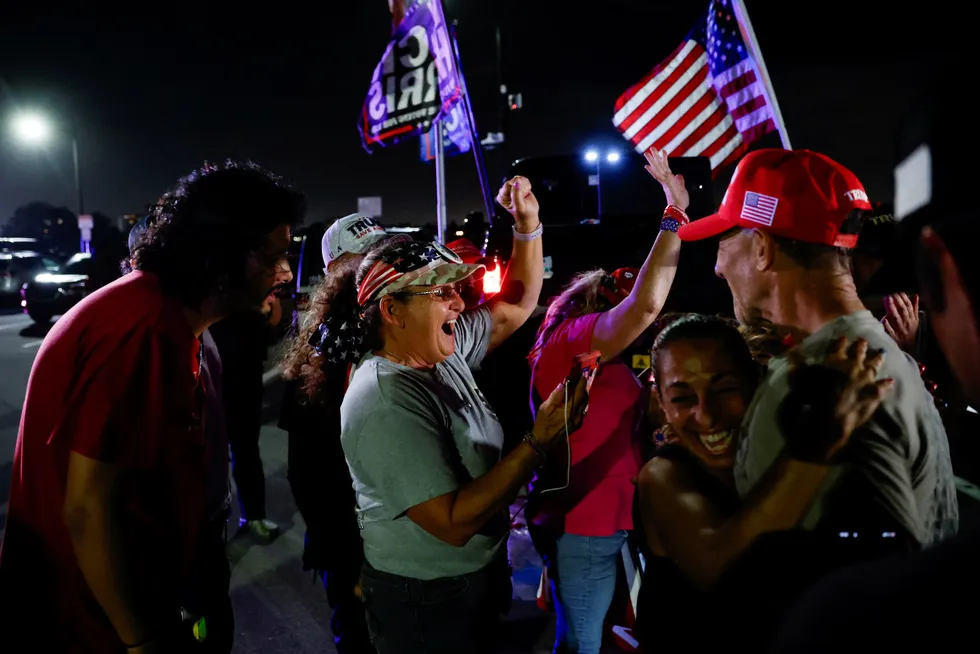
x=481 y=168
x=440 y=158
x=748 y=35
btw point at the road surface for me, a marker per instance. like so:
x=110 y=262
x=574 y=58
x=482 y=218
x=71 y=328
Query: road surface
x=278 y=608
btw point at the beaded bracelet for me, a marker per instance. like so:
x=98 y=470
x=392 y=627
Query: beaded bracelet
x=673 y=218
x=536 y=446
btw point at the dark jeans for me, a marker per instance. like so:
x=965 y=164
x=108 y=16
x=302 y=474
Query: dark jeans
x=348 y=623
x=243 y=416
x=451 y=615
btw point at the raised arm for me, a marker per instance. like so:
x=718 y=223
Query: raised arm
x=521 y=285
x=617 y=328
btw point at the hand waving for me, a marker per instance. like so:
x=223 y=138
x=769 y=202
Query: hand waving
x=831 y=399
x=901 y=319
x=673 y=185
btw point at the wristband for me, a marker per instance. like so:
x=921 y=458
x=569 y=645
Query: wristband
x=673 y=218
x=536 y=446
x=518 y=236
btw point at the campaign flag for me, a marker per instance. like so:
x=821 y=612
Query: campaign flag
x=416 y=81
x=707 y=99
x=456 y=137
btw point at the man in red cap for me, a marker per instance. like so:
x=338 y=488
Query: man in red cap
x=786 y=225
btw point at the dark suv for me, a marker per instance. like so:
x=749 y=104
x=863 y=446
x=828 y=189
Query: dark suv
x=54 y=292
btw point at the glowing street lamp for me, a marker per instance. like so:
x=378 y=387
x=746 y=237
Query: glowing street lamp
x=34 y=129
x=31 y=129
x=592 y=156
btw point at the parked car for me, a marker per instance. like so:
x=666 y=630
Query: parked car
x=53 y=292
x=18 y=244
x=18 y=267
x=306 y=260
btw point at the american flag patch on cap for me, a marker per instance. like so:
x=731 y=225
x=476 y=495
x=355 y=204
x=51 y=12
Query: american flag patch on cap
x=759 y=208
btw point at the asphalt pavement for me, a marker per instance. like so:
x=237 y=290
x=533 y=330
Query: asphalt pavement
x=278 y=607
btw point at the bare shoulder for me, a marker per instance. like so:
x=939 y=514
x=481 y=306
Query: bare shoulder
x=661 y=472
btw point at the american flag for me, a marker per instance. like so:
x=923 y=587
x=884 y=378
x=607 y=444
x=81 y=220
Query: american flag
x=759 y=208
x=706 y=99
x=395 y=263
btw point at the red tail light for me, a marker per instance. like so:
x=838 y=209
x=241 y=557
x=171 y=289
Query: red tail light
x=491 y=279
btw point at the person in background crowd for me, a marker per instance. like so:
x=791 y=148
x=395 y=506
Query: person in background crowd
x=109 y=488
x=693 y=522
x=422 y=443
x=243 y=341
x=317 y=471
x=581 y=532
x=786 y=225
x=472 y=289
x=208 y=599
x=921 y=602
x=877 y=243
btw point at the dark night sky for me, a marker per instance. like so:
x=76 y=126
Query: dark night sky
x=157 y=88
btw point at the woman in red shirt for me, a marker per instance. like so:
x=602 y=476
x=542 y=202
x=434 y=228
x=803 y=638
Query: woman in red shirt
x=593 y=504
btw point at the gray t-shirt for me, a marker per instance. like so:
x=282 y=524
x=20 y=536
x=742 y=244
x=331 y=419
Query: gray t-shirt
x=412 y=435
x=902 y=453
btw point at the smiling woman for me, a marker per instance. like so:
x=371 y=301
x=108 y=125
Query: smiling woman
x=694 y=524
x=422 y=443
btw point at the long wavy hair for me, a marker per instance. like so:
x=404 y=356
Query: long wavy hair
x=580 y=298
x=334 y=300
x=336 y=292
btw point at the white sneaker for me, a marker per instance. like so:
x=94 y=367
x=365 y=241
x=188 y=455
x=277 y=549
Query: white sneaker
x=265 y=529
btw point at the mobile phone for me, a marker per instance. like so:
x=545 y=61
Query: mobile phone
x=589 y=365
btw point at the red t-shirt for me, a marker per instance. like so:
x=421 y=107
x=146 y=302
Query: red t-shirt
x=115 y=380
x=605 y=456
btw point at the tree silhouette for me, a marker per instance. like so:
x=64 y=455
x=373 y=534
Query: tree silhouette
x=41 y=220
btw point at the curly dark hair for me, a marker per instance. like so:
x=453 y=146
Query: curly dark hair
x=335 y=300
x=203 y=230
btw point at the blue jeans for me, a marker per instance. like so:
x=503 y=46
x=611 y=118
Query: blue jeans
x=584 y=589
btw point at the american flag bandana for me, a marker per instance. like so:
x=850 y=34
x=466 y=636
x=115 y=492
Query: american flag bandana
x=413 y=264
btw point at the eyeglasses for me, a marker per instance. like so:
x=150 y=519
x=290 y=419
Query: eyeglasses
x=444 y=293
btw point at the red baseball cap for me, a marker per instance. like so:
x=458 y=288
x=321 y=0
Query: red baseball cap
x=797 y=194
x=464 y=247
x=619 y=285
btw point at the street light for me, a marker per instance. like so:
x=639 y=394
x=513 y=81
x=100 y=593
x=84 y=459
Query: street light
x=592 y=156
x=31 y=128
x=34 y=129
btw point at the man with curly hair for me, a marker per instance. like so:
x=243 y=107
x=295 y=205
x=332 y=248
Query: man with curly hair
x=110 y=469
